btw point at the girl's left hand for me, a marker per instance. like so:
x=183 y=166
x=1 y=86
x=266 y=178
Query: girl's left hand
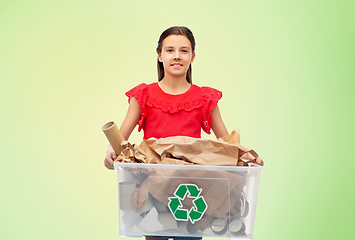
x=250 y=157
x=259 y=161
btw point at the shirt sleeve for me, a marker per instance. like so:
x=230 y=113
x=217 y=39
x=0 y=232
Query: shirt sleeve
x=210 y=98
x=136 y=92
x=140 y=93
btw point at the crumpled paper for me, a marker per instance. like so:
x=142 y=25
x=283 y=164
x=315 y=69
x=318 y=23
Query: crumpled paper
x=225 y=151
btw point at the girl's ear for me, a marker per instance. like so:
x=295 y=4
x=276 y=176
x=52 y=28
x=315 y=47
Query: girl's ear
x=193 y=57
x=159 y=57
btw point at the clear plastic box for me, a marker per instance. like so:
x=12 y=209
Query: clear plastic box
x=187 y=200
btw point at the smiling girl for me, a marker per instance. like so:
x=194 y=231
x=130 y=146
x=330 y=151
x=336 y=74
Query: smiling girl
x=173 y=106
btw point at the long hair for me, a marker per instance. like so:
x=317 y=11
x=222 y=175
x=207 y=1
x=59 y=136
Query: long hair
x=177 y=30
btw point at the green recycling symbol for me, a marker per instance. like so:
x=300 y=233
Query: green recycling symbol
x=196 y=212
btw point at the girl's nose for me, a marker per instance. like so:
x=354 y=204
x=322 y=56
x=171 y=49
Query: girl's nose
x=177 y=55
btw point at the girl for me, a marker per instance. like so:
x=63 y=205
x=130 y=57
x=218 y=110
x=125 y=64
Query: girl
x=173 y=106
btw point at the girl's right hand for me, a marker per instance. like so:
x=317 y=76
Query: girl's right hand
x=110 y=157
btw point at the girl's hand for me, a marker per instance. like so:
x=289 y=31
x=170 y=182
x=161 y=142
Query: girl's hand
x=129 y=123
x=259 y=161
x=110 y=157
x=249 y=156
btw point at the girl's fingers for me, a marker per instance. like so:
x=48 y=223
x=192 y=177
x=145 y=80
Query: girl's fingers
x=109 y=165
x=260 y=161
x=109 y=160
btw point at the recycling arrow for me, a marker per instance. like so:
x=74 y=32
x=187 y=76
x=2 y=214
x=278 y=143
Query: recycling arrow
x=200 y=204
x=174 y=204
x=194 y=215
x=193 y=190
x=196 y=212
x=181 y=191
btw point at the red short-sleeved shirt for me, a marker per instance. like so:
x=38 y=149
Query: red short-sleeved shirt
x=166 y=115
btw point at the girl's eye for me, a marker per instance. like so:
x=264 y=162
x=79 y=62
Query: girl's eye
x=169 y=50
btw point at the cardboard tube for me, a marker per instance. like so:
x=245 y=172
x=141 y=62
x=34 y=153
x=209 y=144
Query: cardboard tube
x=114 y=136
x=242 y=207
x=193 y=228
x=237 y=227
x=219 y=226
x=208 y=231
x=246 y=210
x=188 y=227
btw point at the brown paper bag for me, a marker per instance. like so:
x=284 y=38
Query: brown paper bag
x=225 y=151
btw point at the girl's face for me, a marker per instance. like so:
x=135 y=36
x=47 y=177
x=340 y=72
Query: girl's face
x=176 y=55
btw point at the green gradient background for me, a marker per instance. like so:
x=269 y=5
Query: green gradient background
x=286 y=69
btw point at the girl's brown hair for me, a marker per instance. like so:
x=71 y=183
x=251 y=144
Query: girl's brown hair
x=177 y=30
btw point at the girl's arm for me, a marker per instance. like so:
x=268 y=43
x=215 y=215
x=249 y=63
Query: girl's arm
x=129 y=123
x=132 y=117
x=220 y=130
x=217 y=124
